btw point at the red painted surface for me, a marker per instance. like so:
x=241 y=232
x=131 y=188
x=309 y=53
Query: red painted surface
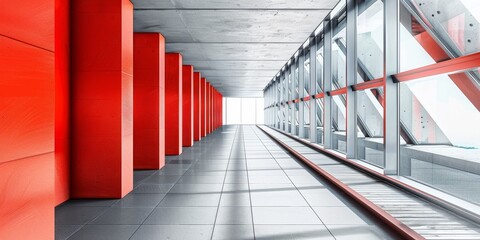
x=197 y=104
x=27 y=115
x=204 y=108
x=102 y=98
x=187 y=102
x=173 y=104
x=62 y=101
x=208 y=109
x=149 y=101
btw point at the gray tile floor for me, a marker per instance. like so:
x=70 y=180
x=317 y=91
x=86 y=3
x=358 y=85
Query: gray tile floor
x=234 y=184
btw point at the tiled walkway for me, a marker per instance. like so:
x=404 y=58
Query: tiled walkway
x=234 y=184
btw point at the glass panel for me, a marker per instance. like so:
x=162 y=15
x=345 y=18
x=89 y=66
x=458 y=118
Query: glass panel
x=370 y=145
x=370 y=40
x=306 y=117
x=319 y=67
x=259 y=117
x=295 y=109
x=452 y=164
x=319 y=119
x=339 y=66
x=306 y=75
x=233 y=111
x=339 y=138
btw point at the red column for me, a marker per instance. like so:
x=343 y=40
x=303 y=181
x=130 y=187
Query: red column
x=204 y=107
x=211 y=109
x=173 y=104
x=149 y=101
x=197 y=102
x=62 y=101
x=187 y=100
x=102 y=98
x=208 y=108
x=27 y=119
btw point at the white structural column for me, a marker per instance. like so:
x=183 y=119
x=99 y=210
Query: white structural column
x=292 y=96
x=301 y=86
x=282 y=99
x=391 y=108
x=327 y=84
x=351 y=61
x=313 y=89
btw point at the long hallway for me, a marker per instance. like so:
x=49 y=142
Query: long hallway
x=235 y=184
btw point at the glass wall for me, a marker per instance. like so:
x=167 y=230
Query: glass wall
x=416 y=90
x=244 y=111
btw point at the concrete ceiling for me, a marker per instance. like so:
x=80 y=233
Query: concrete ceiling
x=238 y=45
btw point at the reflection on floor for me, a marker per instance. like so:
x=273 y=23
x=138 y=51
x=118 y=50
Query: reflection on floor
x=234 y=184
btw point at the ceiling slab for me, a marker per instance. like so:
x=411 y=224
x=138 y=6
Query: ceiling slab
x=238 y=46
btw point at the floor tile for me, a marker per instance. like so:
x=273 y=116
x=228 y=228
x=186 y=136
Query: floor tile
x=104 y=232
x=355 y=232
x=173 y=232
x=197 y=188
x=123 y=216
x=183 y=215
x=284 y=215
x=62 y=232
x=234 y=215
x=65 y=215
x=288 y=232
x=140 y=200
x=190 y=200
x=338 y=215
x=233 y=232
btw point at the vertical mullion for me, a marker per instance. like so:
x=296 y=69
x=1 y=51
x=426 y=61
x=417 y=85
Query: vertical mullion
x=292 y=96
x=313 y=89
x=351 y=74
x=301 y=87
x=391 y=89
x=327 y=84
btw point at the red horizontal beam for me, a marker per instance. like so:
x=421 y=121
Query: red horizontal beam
x=448 y=66
x=338 y=91
x=320 y=95
x=375 y=83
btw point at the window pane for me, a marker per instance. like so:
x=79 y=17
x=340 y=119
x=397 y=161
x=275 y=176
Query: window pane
x=260 y=115
x=370 y=125
x=445 y=138
x=339 y=66
x=339 y=123
x=370 y=40
x=248 y=110
x=319 y=119
x=233 y=111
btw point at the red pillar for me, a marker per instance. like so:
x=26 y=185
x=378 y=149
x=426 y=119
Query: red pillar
x=208 y=108
x=27 y=109
x=173 y=104
x=211 y=108
x=149 y=101
x=197 y=96
x=102 y=98
x=187 y=100
x=203 y=116
x=62 y=101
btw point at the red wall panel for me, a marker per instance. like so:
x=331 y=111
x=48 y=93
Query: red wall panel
x=149 y=101
x=204 y=107
x=102 y=98
x=27 y=116
x=197 y=96
x=208 y=108
x=62 y=101
x=187 y=101
x=173 y=104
